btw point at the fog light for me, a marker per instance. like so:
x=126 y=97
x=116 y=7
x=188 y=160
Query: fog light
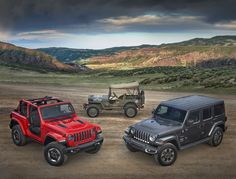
x=127 y=130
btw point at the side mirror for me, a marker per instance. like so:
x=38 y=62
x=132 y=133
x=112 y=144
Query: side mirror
x=189 y=122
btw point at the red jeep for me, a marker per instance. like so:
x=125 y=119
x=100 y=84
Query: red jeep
x=54 y=123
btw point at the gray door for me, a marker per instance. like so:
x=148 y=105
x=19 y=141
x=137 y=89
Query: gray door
x=207 y=121
x=192 y=128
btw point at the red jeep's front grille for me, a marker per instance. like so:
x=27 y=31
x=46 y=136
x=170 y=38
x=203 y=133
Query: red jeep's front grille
x=83 y=135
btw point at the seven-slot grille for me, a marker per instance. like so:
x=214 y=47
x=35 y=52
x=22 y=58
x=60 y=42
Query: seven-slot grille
x=83 y=135
x=141 y=136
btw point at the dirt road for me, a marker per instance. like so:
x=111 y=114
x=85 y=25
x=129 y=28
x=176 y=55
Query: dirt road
x=114 y=160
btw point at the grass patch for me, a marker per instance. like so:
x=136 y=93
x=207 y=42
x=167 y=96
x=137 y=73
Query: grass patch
x=212 y=80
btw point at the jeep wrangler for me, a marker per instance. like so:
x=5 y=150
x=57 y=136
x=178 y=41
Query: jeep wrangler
x=178 y=124
x=54 y=123
x=130 y=100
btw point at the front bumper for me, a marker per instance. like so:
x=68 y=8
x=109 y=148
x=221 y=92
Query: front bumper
x=147 y=148
x=85 y=146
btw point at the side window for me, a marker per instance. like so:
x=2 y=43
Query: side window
x=23 y=108
x=219 y=109
x=193 y=117
x=34 y=116
x=206 y=113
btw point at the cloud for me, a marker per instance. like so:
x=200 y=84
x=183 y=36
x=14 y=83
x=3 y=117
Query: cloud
x=58 y=21
x=226 y=25
x=4 y=36
x=40 y=34
x=148 y=20
x=33 y=15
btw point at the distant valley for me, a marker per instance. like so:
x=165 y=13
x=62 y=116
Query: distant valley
x=214 y=52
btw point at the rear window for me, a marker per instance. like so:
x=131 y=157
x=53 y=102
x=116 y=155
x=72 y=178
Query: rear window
x=219 y=109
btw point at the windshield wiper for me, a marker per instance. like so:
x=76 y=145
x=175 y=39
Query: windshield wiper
x=61 y=118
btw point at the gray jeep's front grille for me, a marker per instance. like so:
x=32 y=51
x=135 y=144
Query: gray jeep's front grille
x=83 y=135
x=141 y=136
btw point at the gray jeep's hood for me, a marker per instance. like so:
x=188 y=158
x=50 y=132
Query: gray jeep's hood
x=157 y=126
x=97 y=98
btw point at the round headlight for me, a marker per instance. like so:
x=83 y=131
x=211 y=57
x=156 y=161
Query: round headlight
x=152 y=138
x=132 y=131
x=127 y=131
x=70 y=137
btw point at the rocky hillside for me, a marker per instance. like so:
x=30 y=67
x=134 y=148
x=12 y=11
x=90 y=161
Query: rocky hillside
x=195 y=52
x=70 y=54
x=12 y=55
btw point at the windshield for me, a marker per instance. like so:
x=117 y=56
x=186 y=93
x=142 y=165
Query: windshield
x=57 y=111
x=170 y=113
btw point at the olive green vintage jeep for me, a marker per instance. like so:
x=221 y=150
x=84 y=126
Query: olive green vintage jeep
x=127 y=97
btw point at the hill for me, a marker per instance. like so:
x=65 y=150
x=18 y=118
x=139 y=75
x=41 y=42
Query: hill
x=219 y=50
x=70 y=54
x=12 y=55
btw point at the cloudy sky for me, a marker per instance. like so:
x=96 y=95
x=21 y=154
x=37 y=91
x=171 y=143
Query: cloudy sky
x=107 y=23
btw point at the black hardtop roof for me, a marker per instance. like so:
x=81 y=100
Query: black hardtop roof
x=192 y=102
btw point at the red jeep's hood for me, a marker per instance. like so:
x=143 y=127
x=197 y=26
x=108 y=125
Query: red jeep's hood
x=70 y=125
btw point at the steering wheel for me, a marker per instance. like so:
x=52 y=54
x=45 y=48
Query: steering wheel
x=115 y=94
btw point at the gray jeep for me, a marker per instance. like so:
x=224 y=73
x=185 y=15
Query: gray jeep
x=178 y=124
x=130 y=100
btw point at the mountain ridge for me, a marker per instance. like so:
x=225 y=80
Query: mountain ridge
x=12 y=55
x=65 y=54
x=194 y=52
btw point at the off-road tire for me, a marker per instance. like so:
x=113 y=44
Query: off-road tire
x=216 y=137
x=130 y=111
x=92 y=111
x=130 y=148
x=94 y=150
x=18 y=136
x=54 y=154
x=167 y=154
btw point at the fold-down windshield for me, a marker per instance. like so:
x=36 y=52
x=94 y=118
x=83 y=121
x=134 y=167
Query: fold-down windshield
x=170 y=113
x=57 y=111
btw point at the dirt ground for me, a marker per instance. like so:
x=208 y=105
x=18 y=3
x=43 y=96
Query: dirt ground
x=113 y=160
